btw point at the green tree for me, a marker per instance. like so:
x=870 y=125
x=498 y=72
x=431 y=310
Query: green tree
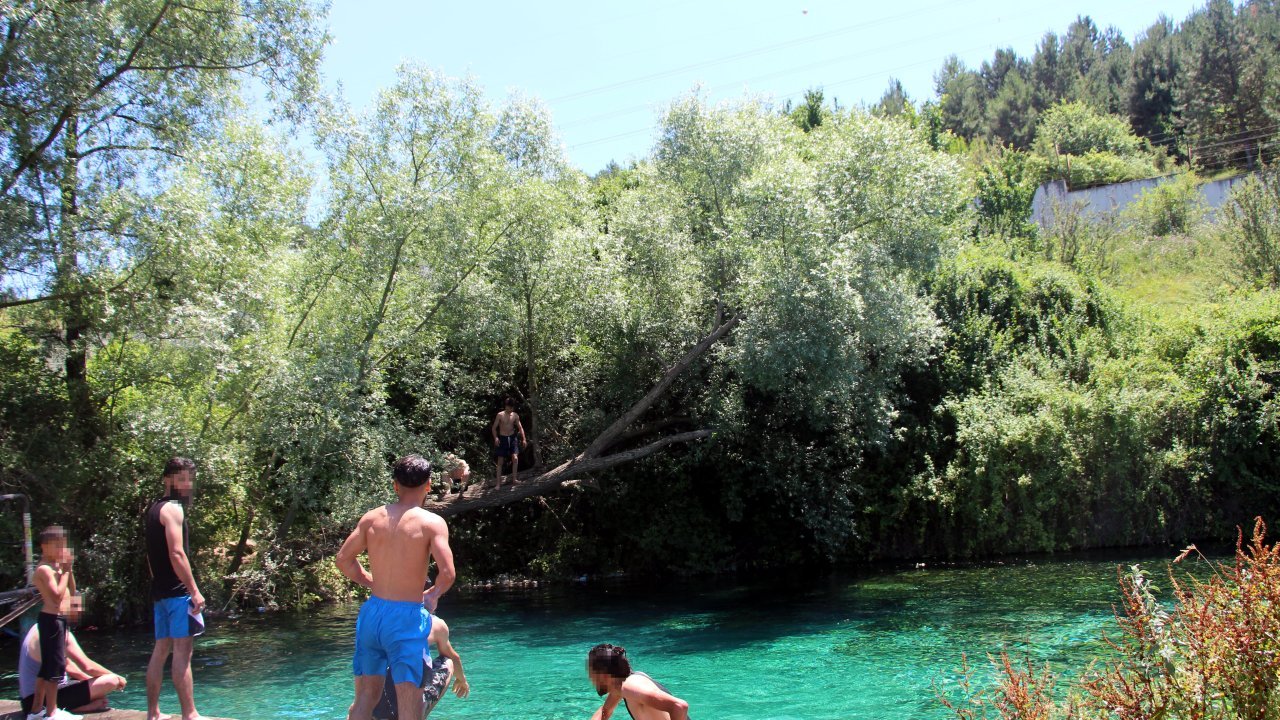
x=1152 y=78
x=1252 y=226
x=894 y=101
x=99 y=96
x=1219 y=108
x=811 y=114
x=961 y=99
x=1048 y=80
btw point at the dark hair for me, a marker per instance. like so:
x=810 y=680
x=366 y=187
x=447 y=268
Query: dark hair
x=52 y=533
x=508 y=401
x=609 y=660
x=177 y=465
x=412 y=471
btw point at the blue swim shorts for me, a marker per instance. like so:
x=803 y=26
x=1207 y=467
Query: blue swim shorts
x=391 y=634
x=173 y=618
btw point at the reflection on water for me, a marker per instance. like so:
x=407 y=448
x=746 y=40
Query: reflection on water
x=785 y=647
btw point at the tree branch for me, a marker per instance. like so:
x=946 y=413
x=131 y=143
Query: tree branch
x=29 y=160
x=106 y=148
x=532 y=484
x=440 y=301
x=606 y=438
x=72 y=295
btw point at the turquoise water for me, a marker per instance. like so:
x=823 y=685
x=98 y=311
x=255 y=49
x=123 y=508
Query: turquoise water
x=871 y=646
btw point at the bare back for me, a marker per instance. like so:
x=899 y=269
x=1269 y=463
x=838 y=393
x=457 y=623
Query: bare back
x=399 y=538
x=643 y=698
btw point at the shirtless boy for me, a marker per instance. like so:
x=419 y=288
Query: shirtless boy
x=506 y=424
x=56 y=585
x=610 y=671
x=391 y=631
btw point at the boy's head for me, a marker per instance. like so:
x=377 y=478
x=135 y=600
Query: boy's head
x=53 y=541
x=412 y=471
x=179 y=477
x=509 y=403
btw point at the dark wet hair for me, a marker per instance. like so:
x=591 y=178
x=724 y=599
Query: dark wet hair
x=176 y=465
x=52 y=534
x=609 y=660
x=412 y=471
x=508 y=401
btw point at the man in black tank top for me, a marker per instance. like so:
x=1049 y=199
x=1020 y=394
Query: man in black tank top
x=177 y=603
x=645 y=699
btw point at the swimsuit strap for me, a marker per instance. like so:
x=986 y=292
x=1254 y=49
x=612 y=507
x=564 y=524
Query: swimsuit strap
x=661 y=687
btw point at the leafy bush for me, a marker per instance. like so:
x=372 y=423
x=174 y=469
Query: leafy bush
x=1092 y=168
x=1252 y=224
x=1086 y=148
x=1173 y=207
x=1085 y=241
x=1005 y=191
x=1074 y=128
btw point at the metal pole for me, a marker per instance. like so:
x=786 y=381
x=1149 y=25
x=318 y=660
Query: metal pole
x=26 y=529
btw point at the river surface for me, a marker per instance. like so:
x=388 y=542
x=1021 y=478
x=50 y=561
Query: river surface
x=782 y=647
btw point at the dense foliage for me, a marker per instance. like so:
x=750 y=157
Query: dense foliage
x=910 y=372
x=1204 y=89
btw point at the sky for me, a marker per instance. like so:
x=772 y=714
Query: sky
x=606 y=69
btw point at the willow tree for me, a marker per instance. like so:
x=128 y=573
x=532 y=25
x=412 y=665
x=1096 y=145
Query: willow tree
x=798 y=255
x=98 y=97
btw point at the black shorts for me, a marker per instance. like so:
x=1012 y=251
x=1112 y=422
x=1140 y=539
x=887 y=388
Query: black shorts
x=53 y=647
x=508 y=445
x=435 y=680
x=70 y=696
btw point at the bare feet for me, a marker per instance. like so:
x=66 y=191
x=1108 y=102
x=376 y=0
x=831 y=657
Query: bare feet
x=159 y=716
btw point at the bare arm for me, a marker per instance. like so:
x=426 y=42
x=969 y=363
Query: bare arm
x=461 y=687
x=52 y=584
x=606 y=710
x=443 y=555
x=650 y=694
x=171 y=516
x=348 y=558
x=493 y=429
x=75 y=672
x=520 y=427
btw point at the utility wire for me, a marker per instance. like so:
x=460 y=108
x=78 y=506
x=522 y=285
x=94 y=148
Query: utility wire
x=749 y=53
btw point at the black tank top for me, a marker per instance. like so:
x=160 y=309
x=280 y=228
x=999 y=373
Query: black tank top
x=164 y=581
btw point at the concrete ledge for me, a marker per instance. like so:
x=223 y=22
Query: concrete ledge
x=12 y=710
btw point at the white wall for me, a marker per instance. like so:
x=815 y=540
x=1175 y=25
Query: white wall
x=1107 y=199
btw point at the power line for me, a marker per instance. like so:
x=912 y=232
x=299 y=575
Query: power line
x=749 y=53
x=780 y=73
x=795 y=93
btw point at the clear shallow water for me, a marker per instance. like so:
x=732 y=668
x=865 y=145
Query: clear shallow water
x=871 y=646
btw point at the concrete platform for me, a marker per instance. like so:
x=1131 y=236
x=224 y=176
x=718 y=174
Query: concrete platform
x=12 y=710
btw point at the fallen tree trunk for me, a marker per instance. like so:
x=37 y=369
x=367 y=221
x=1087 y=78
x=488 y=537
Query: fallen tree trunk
x=536 y=483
